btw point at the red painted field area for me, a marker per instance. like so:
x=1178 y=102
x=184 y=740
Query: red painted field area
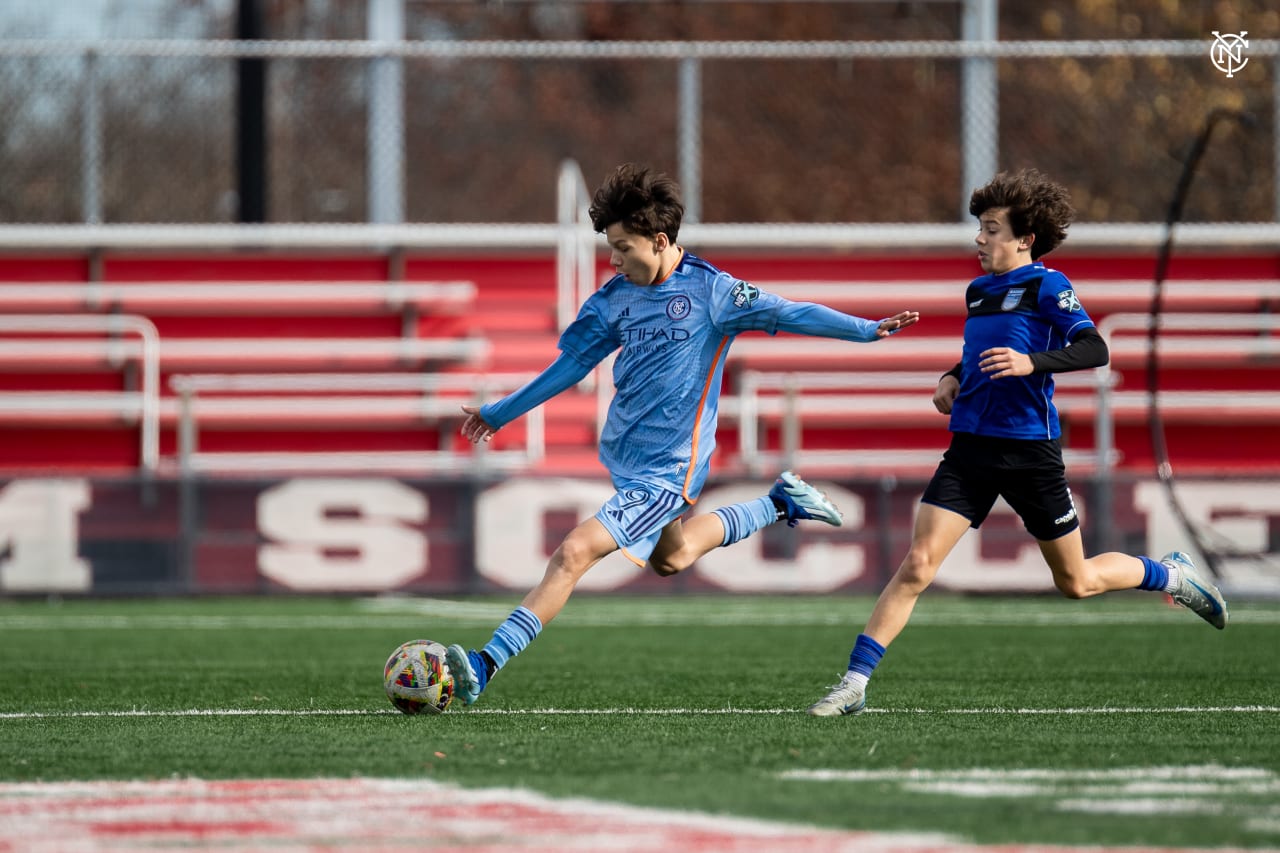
x=382 y=814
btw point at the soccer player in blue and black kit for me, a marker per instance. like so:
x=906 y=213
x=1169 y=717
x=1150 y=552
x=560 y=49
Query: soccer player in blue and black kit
x=672 y=317
x=1024 y=324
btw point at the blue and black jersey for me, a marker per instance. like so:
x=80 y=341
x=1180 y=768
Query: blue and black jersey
x=1031 y=309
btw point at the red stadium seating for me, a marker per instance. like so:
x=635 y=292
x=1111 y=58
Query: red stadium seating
x=75 y=401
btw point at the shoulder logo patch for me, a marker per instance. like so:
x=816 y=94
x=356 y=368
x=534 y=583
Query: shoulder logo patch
x=1067 y=301
x=744 y=295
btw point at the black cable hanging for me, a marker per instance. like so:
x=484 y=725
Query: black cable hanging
x=1159 y=445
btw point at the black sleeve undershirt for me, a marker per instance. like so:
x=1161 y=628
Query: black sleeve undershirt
x=1087 y=349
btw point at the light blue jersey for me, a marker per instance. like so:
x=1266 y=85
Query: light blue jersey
x=673 y=338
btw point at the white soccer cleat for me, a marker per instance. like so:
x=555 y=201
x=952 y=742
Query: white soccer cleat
x=803 y=501
x=849 y=697
x=1194 y=592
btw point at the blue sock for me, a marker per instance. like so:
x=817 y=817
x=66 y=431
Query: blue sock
x=512 y=636
x=741 y=520
x=1156 y=576
x=482 y=666
x=865 y=656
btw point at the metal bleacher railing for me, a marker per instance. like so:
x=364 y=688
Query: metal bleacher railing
x=364 y=400
x=94 y=332
x=1183 y=336
x=218 y=298
x=789 y=400
x=50 y=339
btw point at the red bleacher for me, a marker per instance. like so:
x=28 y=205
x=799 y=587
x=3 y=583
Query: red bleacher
x=72 y=399
x=1219 y=388
x=75 y=400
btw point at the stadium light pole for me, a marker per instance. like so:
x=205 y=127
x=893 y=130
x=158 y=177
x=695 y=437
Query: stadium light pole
x=91 y=143
x=385 y=131
x=979 y=101
x=690 y=133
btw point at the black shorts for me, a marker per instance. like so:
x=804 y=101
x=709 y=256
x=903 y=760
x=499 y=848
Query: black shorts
x=1029 y=475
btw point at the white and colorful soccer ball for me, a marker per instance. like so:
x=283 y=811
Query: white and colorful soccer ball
x=417 y=679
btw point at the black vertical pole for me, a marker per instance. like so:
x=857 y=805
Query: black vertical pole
x=251 y=118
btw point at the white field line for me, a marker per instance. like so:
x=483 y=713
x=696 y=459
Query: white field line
x=411 y=616
x=609 y=712
x=781 y=612
x=1216 y=772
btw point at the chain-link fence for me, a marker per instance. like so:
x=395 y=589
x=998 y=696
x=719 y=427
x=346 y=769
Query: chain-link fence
x=474 y=131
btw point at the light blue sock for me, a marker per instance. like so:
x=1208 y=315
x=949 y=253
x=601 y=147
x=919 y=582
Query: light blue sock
x=741 y=520
x=513 y=635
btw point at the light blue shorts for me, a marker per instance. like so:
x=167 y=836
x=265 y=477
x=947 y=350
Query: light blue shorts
x=636 y=515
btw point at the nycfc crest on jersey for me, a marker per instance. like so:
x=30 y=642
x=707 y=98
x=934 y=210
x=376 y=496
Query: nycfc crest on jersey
x=1067 y=301
x=678 y=307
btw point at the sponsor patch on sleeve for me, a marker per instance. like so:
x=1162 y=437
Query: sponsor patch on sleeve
x=744 y=295
x=1067 y=301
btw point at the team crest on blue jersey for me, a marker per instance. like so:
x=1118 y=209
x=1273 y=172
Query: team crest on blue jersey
x=744 y=295
x=1012 y=298
x=1067 y=301
x=678 y=307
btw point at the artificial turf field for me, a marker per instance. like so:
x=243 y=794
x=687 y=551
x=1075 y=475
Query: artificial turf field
x=1034 y=720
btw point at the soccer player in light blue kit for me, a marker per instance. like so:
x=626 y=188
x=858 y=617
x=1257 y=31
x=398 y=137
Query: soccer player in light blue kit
x=1024 y=324
x=672 y=317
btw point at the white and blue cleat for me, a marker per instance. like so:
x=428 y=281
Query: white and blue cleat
x=803 y=502
x=1194 y=592
x=848 y=698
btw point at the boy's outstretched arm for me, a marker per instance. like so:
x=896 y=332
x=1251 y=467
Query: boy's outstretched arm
x=810 y=318
x=483 y=421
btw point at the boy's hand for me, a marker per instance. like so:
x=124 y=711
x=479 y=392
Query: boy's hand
x=999 y=362
x=474 y=428
x=897 y=323
x=945 y=394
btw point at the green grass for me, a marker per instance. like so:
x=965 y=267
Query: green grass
x=629 y=699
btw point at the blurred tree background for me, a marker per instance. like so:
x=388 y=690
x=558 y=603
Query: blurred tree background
x=783 y=140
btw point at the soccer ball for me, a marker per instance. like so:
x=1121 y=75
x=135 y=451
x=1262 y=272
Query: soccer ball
x=417 y=679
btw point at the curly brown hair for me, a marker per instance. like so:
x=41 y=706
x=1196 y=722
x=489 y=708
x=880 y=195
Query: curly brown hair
x=1036 y=205
x=645 y=202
